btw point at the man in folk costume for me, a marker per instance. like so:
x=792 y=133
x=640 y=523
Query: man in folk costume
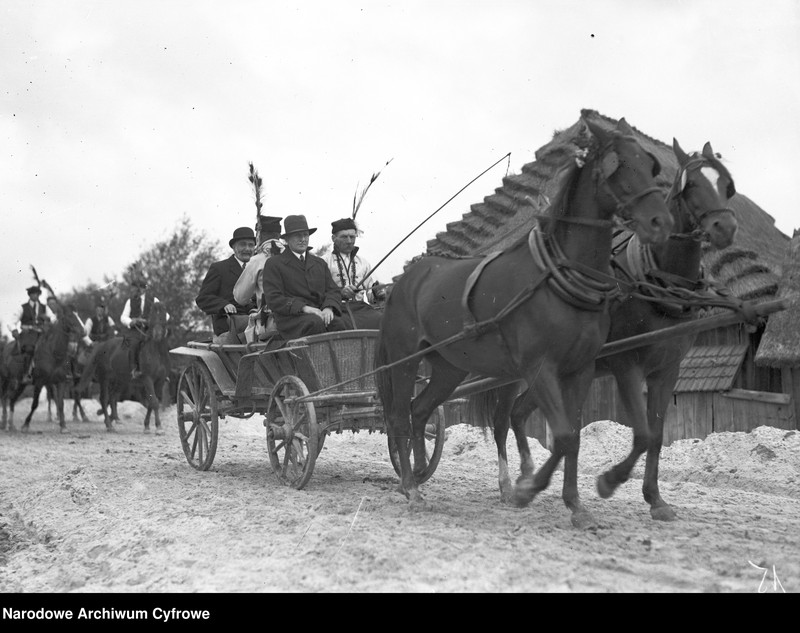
x=33 y=316
x=134 y=318
x=99 y=327
x=350 y=272
x=216 y=292
x=298 y=286
x=250 y=281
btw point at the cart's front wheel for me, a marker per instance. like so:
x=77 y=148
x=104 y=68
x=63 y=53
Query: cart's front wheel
x=434 y=442
x=292 y=432
x=198 y=416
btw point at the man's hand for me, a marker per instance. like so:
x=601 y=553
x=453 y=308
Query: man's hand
x=326 y=315
x=349 y=292
x=230 y=309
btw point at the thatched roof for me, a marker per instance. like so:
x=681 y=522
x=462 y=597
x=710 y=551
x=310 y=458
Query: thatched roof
x=780 y=345
x=750 y=268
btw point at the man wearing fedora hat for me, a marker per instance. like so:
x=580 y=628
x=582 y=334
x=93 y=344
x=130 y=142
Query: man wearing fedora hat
x=350 y=272
x=216 y=292
x=298 y=286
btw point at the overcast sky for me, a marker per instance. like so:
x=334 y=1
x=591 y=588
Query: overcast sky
x=120 y=118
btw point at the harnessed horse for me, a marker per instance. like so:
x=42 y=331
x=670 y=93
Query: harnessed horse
x=511 y=315
x=666 y=278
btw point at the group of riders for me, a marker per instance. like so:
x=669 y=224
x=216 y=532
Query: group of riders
x=35 y=317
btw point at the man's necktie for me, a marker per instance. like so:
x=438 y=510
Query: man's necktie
x=303 y=260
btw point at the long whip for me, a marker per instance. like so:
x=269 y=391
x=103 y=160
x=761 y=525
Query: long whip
x=374 y=268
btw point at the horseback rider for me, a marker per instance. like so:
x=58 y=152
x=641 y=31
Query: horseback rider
x=350 y=272
x=99 y=327
x=134 y=318
x=33 y=316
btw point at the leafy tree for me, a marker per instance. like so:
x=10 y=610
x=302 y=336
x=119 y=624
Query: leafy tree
x=174 y=269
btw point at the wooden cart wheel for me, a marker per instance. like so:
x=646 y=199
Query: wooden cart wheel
x=434 y=442
x=292 y=433
x=198 y=415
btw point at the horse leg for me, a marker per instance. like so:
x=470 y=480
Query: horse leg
x=559 y=401
x=59 y=389
x=396 y=398
x=629 y=383
x=150 y=401
x=17 y=390
x=658 y=394
x=506 y=396
x=37 y=389
x=443 y=381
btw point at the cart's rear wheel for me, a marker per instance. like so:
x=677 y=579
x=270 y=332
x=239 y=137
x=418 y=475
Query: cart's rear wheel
x=292 y=433
x=434 y=442
x=198 y=415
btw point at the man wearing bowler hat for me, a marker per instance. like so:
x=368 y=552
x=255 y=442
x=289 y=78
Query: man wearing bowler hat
x=216 y=292
x=298 y=286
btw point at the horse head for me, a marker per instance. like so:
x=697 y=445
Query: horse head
x=624 y=175
x=703 y=187
x=157 y=322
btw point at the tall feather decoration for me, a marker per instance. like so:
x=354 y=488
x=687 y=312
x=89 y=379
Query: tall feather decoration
x=358 y=198
x=255 y=180
x=36 y=276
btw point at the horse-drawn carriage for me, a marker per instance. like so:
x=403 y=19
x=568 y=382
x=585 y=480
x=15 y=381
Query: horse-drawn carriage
x=527 y=324
x=305 y=389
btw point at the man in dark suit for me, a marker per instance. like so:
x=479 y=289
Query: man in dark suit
x=216 y=293
x=298 y=286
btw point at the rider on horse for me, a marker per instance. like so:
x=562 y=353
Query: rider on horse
x=33 y=316
x=134 y=318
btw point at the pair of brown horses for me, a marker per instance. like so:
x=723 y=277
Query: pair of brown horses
x=535 y=317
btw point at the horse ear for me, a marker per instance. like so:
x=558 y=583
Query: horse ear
x=602 y=136
x=682 y=156
x=708 y=152
x=623 y=127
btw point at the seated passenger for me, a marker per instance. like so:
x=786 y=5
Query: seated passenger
x=350 y=272
x=298 y=286
x=216 y=292
x=250 y=281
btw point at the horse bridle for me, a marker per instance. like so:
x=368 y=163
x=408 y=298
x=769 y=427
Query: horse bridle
x=607 y=164
x=678 y=186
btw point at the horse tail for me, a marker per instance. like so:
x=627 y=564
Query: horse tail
x=481 y=406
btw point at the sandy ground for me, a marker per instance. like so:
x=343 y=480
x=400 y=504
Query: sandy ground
x=90 y=511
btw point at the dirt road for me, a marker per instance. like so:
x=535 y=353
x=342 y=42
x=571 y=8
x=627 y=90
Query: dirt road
x=90 y=511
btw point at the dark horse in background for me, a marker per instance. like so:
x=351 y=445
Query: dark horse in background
x=50 y=358
x=668 y=289
x=109 y=364
x=512 y=315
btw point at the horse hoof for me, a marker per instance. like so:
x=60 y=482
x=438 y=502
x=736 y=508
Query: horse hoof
x=583 y=520
x=524 y=492
x=24 y=429
x=63 y=429
x=110 y=429
x=663 y=513
x=146 y=429
x=605 y=489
